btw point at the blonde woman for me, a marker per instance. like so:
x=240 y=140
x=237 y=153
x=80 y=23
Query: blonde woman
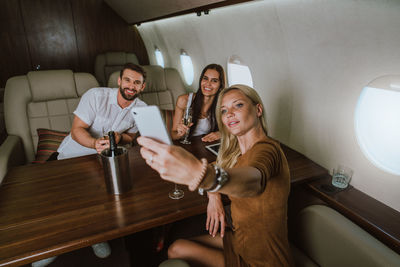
x=251 y=169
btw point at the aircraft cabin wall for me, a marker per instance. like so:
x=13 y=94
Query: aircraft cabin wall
x=309 y=60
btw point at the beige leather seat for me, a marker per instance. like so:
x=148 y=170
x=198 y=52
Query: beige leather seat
x=40 y=99
x=107 y=63
x=331 y=240
x=174 y=263
x=163 y=86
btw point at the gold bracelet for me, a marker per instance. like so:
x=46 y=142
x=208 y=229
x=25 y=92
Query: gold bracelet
x=196 y=182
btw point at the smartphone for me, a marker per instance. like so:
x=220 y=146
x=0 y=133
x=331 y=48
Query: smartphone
x=150 y=123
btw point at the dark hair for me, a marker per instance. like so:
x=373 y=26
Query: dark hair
x=198 y=100
x=133 y=67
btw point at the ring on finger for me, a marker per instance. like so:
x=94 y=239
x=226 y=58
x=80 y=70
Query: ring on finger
x=151 y=159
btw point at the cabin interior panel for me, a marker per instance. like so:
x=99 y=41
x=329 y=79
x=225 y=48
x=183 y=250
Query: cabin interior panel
x=309 y=61
x=64 y=34
x=50 y=35
x=14 y=51
x=99 y=29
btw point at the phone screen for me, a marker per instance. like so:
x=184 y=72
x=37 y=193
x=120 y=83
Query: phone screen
x=150 y=123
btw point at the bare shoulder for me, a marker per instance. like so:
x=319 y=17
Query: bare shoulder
x=182 y=101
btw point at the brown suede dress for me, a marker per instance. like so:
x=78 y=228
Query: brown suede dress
x=259 y=234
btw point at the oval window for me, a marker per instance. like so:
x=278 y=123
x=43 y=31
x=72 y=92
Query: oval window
x=238 y=72
x=159 y=57
x=377 y=122
x=187 y=67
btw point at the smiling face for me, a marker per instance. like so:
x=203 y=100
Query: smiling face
x=239 y=114
x=130 y=85
x=210 y=83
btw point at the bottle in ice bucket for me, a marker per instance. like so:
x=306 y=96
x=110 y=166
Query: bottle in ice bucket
x=113 y=146
x=115 y=162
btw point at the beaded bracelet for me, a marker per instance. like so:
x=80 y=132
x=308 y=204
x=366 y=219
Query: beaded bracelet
x=196 y=182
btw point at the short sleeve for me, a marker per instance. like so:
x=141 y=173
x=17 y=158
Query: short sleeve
x=86 y=109
x=265 y=157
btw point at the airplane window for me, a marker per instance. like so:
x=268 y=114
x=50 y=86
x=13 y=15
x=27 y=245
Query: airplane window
x=377 y=122
x=159 y=57
x=187 y=67
x=238 y=72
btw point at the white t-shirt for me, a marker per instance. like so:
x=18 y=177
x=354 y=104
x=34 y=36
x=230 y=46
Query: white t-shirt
x=203 y=127
x=99 y=109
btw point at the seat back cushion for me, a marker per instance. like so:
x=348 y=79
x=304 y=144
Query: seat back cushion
x=156 y=91
x=43 y=99
x=331 y=240
x=174 y=83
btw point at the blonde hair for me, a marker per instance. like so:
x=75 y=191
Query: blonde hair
x=229 y=151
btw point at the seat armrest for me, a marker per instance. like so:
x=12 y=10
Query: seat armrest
x=11 y=154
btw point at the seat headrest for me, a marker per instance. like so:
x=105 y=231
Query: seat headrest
x=107 y=63
x=84 y=81
x=51 y=84
x=59 y=84
x=120 y=58
x=155 y=79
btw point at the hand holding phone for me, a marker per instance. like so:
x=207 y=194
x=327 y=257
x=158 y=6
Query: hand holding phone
x=149 y=121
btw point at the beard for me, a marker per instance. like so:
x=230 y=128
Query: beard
x=128 y=97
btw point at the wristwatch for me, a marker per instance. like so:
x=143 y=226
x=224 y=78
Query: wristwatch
x=221 y=178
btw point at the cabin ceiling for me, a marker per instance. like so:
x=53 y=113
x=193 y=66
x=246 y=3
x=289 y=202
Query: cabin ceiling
x=138 y=11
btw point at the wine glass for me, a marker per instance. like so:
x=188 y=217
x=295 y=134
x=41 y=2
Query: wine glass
x=187 y=119
x=176 y=193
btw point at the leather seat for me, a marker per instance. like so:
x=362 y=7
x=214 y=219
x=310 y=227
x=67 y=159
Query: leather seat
x=107 y=63
x=330 y=239
x=40 y=99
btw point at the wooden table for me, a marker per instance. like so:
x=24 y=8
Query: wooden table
x=60 y=206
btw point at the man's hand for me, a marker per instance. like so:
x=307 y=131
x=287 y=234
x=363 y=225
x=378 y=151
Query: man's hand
x=101 y=143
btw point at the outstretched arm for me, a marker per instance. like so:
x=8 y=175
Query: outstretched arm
x=177 y=165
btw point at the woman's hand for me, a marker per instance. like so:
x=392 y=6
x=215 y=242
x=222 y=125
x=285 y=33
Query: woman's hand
x=215 y=214
x=182 y=129
x=211 y=137
x=173 y=163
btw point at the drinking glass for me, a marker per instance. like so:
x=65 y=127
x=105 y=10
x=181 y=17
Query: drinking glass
x=187 y=119
x=176 y=193
x=341 y=176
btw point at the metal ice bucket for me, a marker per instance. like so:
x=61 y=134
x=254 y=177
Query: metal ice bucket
x=116 y=171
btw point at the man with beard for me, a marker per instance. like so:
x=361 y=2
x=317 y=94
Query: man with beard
x=101 y=110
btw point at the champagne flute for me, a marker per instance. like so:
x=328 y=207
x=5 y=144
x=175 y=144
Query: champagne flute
x=187 y=119
x=176 y=193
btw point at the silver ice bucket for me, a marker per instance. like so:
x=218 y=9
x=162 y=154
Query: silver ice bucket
x=116 y=171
